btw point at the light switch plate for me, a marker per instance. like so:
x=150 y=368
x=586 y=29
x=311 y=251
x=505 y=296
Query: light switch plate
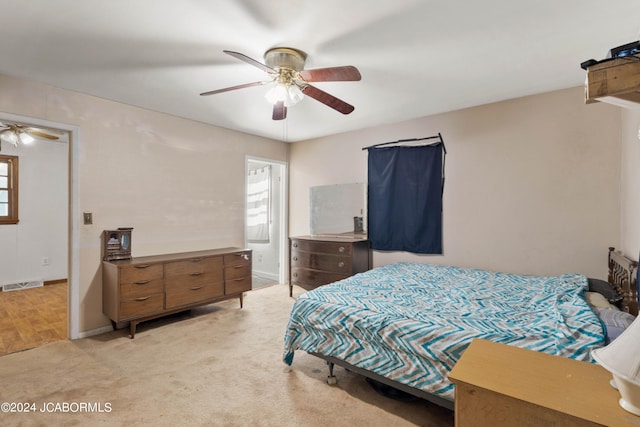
x=88 y=218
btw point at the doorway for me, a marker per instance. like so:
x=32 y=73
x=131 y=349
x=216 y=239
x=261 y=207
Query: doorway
x=70 y=165
x=265 y=219
x=34 y=271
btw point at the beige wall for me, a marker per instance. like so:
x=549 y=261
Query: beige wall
x=179 y=183
x=630 y=174
x=532 y=184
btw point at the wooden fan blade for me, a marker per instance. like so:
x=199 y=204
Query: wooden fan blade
x=251 y=61
x=279 y=111
x=327 y=99
x=332 y=74
x=46 y=130
x=227 y=89
x=40 y=134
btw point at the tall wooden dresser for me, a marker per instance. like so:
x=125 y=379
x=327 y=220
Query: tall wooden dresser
x=316 y=261
x=145 y=288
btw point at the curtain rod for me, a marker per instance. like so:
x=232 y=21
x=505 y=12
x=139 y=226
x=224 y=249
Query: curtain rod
x=439 y=136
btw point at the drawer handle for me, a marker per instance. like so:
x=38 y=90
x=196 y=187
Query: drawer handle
x=142 y=282
x=143 y=298
x=195 y=274
x=238 y=280
x=341 y=264
x=196 y=288
x=196 y=260
x=295 y=258
x=238 y=266
x=295 y=274
x=295 y=245
x=143 y=266
x=341 y=249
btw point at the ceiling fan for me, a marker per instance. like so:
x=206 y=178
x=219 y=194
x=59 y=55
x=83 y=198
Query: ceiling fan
x=290 y=80
x=15 y=133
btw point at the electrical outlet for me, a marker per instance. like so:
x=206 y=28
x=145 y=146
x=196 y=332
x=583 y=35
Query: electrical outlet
x=45 y=261
x=88 y=218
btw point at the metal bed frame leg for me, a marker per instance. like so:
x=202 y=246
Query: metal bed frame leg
x=331 y=379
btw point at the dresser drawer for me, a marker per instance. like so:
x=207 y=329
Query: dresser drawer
x=141 y=288
x=239 y=258
x=234 y=286
x=332 y=248
x=180 y=296
x=137 y=272
x=141 y=306
x=193 y=279
x=237 y=271
x=306 y=276
x=333 y=263
x=194 y=266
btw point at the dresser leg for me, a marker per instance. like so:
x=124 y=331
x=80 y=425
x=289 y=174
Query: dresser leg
x=132 y=328
x=240 y=297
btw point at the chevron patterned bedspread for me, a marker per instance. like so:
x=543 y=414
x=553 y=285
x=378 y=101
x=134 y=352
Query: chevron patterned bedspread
x=411 y=322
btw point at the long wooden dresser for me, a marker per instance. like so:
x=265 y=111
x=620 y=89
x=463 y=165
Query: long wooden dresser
x=318 y=260
x=145 y=288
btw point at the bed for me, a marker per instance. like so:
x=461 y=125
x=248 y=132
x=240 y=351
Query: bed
x=406 y=324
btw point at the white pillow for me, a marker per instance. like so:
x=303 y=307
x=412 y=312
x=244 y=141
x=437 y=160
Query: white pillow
x=596 y=300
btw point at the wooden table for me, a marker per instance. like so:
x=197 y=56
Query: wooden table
x=502 y=385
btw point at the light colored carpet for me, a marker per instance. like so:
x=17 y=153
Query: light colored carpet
x=217 y=365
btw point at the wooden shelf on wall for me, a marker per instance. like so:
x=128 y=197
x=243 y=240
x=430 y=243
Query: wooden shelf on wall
x=615 y=82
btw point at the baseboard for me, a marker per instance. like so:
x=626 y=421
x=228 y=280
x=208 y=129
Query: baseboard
x=54 y=282
x=92 y=332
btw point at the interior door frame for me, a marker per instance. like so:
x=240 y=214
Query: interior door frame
x=283 y=207
x=73 y=216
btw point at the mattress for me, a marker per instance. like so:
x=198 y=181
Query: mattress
x=411 y=322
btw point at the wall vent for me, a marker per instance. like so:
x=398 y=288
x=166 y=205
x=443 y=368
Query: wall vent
x=22 y=285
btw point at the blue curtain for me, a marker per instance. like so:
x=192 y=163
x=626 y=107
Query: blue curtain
x=405 y=198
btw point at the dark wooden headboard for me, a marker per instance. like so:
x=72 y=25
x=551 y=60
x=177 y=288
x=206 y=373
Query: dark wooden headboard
x=622 y=276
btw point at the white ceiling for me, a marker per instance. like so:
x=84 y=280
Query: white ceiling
x=416 y=57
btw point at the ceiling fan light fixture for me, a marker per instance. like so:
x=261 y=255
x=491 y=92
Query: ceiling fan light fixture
x=9 y=136
x=25 y=138
x=290 y=94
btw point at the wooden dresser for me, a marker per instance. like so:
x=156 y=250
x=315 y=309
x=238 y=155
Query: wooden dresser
x=316 y=261
x=145 y=288
x=501 y=385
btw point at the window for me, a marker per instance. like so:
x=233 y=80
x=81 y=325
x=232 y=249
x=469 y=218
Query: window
x=8 y=189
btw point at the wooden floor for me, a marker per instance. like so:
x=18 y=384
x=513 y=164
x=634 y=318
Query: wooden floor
x=32 y=317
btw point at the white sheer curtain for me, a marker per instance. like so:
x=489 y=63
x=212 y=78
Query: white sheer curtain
x=258 y=206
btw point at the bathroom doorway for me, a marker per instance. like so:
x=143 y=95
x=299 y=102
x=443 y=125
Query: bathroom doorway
x=265 y=219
